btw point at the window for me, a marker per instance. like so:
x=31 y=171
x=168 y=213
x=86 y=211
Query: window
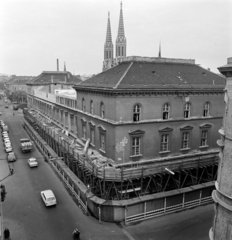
x=166 y=110
x=84 y=130
x=164 y=142
x=102 y=142
x=92 y=136
x=61 y=117
x=185 y=140
x=187 y=110
x=136 y=146
x=66 y=119
x=206 y=110
x=204 y=138
x=72 y=122
x=91 y=107
x=102 y=110
x=83 y=104
x=137 y=113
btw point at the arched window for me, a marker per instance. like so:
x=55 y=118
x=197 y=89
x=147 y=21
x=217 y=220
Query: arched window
x=83 y=104
x=102 y=110
x=91 y=107
x=206 y=110
x=166 y=110
x=137 y=113
x=187 y=110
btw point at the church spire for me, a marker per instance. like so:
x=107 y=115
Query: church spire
x=121 y=39
x=160 y=50
x=108 y=32
x=64 y=67
x=108 y=47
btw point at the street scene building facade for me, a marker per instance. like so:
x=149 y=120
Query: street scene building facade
x=142 y=127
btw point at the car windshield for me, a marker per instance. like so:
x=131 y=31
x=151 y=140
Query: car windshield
x=50 y=199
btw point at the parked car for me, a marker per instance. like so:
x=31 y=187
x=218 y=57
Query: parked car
x=48 y=198
x=32 y=162
x=6 y=106
x=8 y=149
x=4 y=135
x=11 y=157
x=7 y=141
x=8 y=146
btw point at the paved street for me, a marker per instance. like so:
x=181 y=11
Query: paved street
x=28 y=219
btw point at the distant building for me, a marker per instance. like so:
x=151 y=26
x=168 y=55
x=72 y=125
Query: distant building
x=17 y=83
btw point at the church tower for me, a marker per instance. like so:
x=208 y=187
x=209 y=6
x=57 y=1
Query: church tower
x=108 y=48
x=121 y=39
x=222 y=196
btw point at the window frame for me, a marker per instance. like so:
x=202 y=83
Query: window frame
x=206 y=110
x=205 y=127
x=137 y=134
x=166 y=111
x=185 y=141
x=91 y=107
x=205 y=138
x=187 y=110
x=83 y=105
x=102 y=110
x=137 y=112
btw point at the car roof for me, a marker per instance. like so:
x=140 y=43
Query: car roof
x=48 y=193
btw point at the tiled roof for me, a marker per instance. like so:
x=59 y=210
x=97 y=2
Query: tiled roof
x=18 y=80
x=55 y=77
x=155 y=75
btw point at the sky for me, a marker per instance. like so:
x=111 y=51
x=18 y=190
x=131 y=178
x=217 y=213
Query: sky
x=35 y=33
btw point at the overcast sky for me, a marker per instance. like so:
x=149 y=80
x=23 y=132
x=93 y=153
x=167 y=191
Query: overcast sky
x=34 y=33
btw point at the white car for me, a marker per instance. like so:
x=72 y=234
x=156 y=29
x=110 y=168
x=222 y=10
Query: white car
x=32 y=162
x=48 y=198
x=8 y=149
x=7 y=145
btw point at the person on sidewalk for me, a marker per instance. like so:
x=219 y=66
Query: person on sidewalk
x=6 y=233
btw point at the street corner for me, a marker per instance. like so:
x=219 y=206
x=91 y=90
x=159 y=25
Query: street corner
x=17 y=231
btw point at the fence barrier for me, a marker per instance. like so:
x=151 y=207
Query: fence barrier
x=167 y=210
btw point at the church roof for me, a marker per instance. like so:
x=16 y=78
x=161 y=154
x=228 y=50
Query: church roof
x=55 y=77
x=158 y=74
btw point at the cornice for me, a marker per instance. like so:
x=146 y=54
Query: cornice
x=148 y=92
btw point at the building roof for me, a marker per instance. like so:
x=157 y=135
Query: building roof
x=19 y=80
x=55 y=77
x=155 y=73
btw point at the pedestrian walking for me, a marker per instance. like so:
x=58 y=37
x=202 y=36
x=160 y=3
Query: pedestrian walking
x=6 y=233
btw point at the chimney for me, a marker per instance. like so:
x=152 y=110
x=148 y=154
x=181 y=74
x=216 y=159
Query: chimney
x=57 y=65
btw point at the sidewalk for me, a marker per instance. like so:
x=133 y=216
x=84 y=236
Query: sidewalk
x=16 y=231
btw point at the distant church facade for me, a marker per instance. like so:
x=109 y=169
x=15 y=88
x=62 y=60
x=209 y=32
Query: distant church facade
x=120 y=46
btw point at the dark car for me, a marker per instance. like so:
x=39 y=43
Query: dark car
x=6 y=106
